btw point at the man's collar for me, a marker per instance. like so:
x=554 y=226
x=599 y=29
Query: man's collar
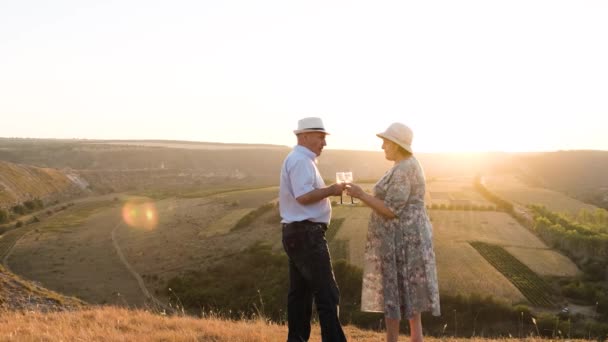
x=303 y=149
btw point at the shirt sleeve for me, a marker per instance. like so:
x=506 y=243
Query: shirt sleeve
x=398 y=192
x=302 y=177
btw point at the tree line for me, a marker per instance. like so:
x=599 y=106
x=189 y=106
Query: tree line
x=20 y=209
x=585 y=242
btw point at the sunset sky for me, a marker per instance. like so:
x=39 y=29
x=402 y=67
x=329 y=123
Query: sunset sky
x=464 y=75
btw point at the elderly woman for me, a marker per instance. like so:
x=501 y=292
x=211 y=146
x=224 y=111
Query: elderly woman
x=400 y=276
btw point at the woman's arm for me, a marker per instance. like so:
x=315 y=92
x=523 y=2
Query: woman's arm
x=373 y=202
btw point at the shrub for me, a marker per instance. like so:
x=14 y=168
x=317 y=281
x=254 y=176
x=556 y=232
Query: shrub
x=4 y=216
x=19 y=209
x=595 y=270
x=579 y=290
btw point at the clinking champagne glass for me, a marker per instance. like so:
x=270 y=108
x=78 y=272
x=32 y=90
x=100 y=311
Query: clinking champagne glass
x=340 y=179
x=348 y=178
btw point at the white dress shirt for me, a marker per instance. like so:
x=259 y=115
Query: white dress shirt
x=299 y=176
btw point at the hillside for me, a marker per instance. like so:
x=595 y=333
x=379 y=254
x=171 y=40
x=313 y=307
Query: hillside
x=20 y=183
x=17 y=294
x=580 y=174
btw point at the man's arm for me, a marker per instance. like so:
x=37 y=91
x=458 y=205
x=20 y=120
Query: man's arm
x=318 y=194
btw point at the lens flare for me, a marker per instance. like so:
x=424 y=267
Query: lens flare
x=140 y=215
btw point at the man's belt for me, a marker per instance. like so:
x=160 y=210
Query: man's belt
x=304 y=224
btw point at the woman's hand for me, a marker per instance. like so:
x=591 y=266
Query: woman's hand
x=354 y=190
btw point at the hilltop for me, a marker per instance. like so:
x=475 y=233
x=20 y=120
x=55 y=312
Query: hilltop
x=116 y=324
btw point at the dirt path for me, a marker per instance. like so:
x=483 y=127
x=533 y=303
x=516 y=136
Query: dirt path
x=140 y=281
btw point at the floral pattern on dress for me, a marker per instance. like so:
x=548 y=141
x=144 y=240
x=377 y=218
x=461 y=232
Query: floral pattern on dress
x=399 y=272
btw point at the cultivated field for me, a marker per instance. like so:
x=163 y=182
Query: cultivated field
x=513 y=190
x=454 y=191
x=546 y=262
x=462 y=270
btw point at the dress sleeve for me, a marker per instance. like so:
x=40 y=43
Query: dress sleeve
x=398 y=191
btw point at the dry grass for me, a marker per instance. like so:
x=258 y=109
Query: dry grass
x=116 y=324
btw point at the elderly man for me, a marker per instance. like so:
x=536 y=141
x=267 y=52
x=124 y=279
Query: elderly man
x=306 y=212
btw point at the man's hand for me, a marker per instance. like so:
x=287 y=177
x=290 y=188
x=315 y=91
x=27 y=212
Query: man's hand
x=336 y=189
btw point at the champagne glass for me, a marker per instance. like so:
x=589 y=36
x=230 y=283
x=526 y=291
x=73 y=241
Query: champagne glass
x=348 y=178
x=340 y=179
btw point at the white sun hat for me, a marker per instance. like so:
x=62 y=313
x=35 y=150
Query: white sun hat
x=400 y=134
x=311 y=124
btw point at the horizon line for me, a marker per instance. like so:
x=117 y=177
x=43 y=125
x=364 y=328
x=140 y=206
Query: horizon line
x=290 y=146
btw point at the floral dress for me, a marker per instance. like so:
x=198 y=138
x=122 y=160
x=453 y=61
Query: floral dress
x=399 y=272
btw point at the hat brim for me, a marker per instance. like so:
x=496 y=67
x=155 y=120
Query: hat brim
x=388 y=137
x=298 y=131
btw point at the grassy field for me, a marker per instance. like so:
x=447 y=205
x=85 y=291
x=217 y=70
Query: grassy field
x=513 y=190
x=73 y=252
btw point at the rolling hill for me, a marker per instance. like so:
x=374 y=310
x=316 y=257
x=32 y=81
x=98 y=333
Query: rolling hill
x=176 y=210
x=19 y=183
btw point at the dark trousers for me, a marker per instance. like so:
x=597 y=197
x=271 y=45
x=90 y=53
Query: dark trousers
x=310 y=276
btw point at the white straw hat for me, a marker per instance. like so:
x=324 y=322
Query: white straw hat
x=310 y=125
x=400 y=134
